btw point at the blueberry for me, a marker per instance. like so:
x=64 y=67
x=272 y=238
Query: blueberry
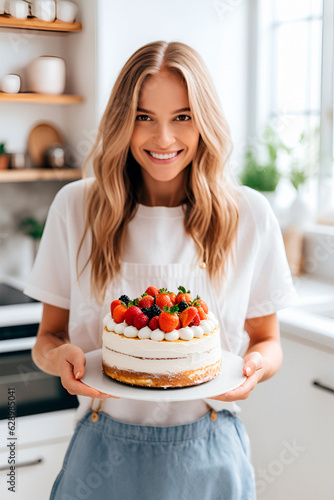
x=182 y=305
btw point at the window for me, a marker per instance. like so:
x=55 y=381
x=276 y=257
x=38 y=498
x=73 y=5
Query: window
x=293 y=74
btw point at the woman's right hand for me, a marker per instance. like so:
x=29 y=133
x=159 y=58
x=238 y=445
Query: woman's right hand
x=71 y=368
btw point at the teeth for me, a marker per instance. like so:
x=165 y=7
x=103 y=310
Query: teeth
x=163 y=157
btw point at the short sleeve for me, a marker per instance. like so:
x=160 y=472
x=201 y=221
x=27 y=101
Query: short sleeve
x=272 y=287
x=49 y=281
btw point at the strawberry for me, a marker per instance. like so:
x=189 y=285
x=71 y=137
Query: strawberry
x=188 y=315
x=163 y=299
x=151 y=290
x=154 y=323
x=204 y=306
x=201 y=313
x=168 y=319
x=131 y=313
x=179 y=325
x=140 y=321
x=172 y=296
x=119 y=313
x=196 y=321
x=183 y=295
x=202 y=303
x=197 y=303
x=146 y=301
x=114 y=304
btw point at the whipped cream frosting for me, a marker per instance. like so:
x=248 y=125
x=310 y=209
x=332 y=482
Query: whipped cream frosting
x=187 y=333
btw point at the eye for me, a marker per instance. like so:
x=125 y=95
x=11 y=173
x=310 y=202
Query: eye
x=143 y=118
x=183 y=118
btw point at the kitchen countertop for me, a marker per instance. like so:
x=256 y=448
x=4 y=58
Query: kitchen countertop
x=312 y=316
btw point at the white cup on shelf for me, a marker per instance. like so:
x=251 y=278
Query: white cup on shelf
x=19 y=9
x=47 y=75
x=11 y=84
x=2 y=6
x=66 y=11
x=44 y=9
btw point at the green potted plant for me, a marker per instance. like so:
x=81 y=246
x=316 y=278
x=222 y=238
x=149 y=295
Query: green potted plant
x=263 y=175
x=306 y=160
x=33 y=228
x=302 y=167
x=298 y=175
x=4 y=156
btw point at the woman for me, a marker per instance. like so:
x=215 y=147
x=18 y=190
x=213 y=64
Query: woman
x=161 y=211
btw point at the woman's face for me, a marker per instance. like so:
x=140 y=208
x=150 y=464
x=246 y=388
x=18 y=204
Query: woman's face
x=164 y=140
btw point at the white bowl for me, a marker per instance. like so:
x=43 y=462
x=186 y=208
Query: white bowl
x=47 y=75
x=11 y=84
x=44 y=9
x=19 y=9
x=66 y=11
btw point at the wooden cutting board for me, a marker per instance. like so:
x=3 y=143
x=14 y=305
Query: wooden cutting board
x=40 y=138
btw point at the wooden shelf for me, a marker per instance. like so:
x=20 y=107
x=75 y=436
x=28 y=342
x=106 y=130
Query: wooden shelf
x=32 y=23
x=33 y=97
x=40 y=174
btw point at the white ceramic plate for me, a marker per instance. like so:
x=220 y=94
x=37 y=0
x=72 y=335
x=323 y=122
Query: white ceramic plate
x=230 y=377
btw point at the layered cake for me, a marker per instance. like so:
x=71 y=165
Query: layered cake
x=161 y=339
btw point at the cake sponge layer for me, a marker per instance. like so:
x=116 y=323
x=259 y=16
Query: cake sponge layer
x=145 y=379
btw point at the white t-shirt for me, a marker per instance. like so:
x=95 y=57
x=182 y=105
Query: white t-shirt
x=158 y=252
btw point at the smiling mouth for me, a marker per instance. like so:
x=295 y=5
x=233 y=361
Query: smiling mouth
x=161 y=156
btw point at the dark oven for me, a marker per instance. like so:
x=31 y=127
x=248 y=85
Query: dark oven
x=35 y=391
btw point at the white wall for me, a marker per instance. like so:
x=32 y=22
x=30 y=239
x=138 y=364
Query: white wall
x=217 y=29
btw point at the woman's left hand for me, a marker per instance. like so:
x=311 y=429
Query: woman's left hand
x=254 y=370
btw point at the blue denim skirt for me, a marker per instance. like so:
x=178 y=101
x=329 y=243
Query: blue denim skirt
x=207 y=459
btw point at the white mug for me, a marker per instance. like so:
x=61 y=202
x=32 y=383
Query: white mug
x=47 y=75
x=44 y=9
x=18 y=9
x=2 y=6
x=66 y=11
x=11 y=84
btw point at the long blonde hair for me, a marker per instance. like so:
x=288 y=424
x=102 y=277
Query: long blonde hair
x=211 y=215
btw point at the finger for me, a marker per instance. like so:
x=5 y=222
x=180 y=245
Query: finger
x=239 y=393
x=81 y=389
x=249 y=368
x=252 y=363
x=74 y=386
x=94 y=393
x=77 y=360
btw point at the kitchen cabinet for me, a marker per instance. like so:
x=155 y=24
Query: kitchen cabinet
x=290 y=425
x=30 y=175
x=42 y=441
x=37 y=470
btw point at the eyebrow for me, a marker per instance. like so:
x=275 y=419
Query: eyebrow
x=174 y=112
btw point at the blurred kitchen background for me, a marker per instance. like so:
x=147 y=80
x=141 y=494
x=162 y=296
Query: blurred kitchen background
x=272 y=64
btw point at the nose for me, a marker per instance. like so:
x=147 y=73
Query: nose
x=164 y=136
